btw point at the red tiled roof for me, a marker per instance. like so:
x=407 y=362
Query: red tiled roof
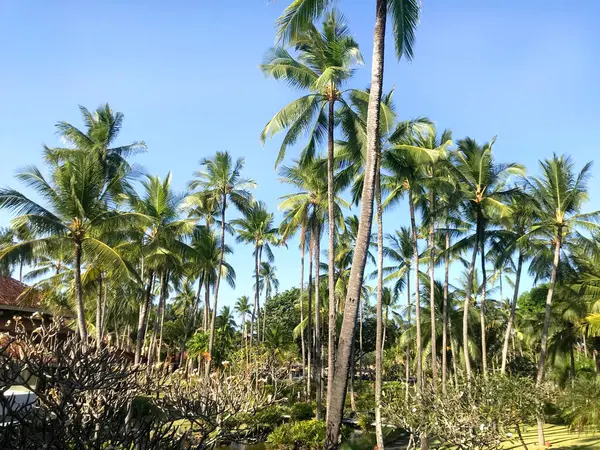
x=11 y=289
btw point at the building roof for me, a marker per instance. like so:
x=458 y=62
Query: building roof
x=10 y=292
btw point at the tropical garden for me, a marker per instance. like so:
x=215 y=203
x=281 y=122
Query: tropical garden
x=420 y=334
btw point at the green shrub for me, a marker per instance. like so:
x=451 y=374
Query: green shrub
x=581 y=405
x=307 y=435
x=302 y=411
x=364 y=421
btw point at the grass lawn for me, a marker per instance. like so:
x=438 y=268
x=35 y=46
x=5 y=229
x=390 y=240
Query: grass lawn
x=559 y=438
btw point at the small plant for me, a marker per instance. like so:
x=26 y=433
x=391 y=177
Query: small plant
x=302 y=411
x=364 y=421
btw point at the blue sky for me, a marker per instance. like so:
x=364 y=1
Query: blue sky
x=185 y=75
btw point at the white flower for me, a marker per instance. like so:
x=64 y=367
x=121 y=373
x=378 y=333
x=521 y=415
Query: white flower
x=509 y=435
x=414 y=410
x=482 y=427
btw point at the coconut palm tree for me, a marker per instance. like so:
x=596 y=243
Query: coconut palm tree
x=256 y=228
x=507 y=243
x=78 y=207
x=242 y=307
x=399 y=252
x=405 y=16
x=220 y=181
x=312 y=200
x=325 y=62
x=160 y=242
x=559 y=194
x=484 y=186
x=267 y=280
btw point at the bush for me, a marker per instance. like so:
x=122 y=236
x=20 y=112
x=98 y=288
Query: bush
x=480 y=415
x=308 y=434
x=581 y=405
x=302 y=411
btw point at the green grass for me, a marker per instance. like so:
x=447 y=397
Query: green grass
x=559 y=437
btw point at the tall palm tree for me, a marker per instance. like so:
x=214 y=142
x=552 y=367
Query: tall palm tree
x=312 y=200
x=78 y=209
x=405 y=17
x=325 y=62
x=242 y=307
x=507 y=243
x=160 y=242
x=267 y=281
x=221 y=181
x=399 y=252
x=256 y=228
x=484 y=186
x=559 y=195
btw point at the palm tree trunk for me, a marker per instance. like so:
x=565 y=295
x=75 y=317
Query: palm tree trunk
x=302 y=244
x=211 y=339
x=466 y=309
x=342 y=361
x=351 y=389
x=434 y=367
x=143 y=316
x=331 y=251
x=104 y=308
x=454 y=354
x=264 y=324
x=379 y=307
x=153 y=341
x=162 y=317
x=79 y=293
x=511 y=317
x=445 y=312
x=408 y=313
x=413 y=226
x=309 y=332
x=318 y=365
x=99 y=314
x=548 y=312
x=482 y=304
x=360 y=339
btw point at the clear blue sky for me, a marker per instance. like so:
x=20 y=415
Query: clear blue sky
x=185 y=75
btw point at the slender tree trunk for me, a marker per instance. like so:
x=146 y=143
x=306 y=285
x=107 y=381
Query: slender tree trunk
x=351 y=389
x=152 y=352
x=408 y=314
x=379 y=328
x=511 y=317
x=466 y=309
x=104 y=308
x=434 y=366
x=547 y=315
x=309 y=331
x=302 y=245
x=445 y=312
x=162 y=316
x=211 y=339
x=572 y=360
x=264 y=324
x=413 y=226
x=81 y=326
x=20 y=270
x=360 y=339
x=318 y=362
x=483 y=294
x=99 y=314
x=142 y=319
x=331 y=250
x=454 y=355
x=342 y=362
x=255 y=310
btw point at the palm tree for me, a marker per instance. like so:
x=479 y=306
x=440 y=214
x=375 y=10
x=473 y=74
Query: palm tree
x=311 y=200
x=400 y=252
x=242 y=307
x=256 y=228
x=220 y=180
x=505 y=243
x=405 y=16
x=558 y=195
x=160 y=244
x=483 y=184
x=78 y=209
x=325 y=62
x=267 y=281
